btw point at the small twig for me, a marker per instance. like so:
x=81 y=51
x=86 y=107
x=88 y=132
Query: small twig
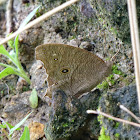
x=39 y=19
x=7 y=88
x=114 y=118
x=9 y=15
x=135 y=42
x=129 y=112
x=116 y=53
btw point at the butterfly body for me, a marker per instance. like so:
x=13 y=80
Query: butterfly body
x=71 y=69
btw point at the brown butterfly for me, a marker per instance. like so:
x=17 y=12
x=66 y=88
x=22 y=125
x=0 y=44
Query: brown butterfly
x=71 y=69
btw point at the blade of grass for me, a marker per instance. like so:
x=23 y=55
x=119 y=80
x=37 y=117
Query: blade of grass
x=28 y=18
x=16 y=45
x=19 y=124
x=26 y=134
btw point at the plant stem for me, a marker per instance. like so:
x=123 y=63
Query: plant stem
x=24 y=75
x=135 y=42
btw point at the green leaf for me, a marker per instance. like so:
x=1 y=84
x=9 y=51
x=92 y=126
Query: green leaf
x=28 y=18
x=2 y=125
x=7 y=71
x=26 y=134
x=16 y=45
x=4 y=51
x=19 y=124
x=16 y=71
x=11 y=126
x=33 y=99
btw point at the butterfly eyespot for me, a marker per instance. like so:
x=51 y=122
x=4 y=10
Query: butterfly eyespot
x=65 y=70
x=55 y=59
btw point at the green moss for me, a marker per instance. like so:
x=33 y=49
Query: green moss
x=104 y=85
x=111 y=79
x=100 y=119
x=65 y=125
x=38 y=14
x=115 y=70
x=117 y=135
x=72 y=121
x=103 y=136
x=25 y=88
x=117 y=124
x=110 y=119
x=60 y=127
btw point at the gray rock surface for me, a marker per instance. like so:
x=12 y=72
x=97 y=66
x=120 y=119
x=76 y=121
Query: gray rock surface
x=110 y=102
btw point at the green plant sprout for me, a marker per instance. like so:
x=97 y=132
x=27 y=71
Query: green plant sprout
x=13 y=56
x=17 y=69
x=33 y=99
x=11 y=129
